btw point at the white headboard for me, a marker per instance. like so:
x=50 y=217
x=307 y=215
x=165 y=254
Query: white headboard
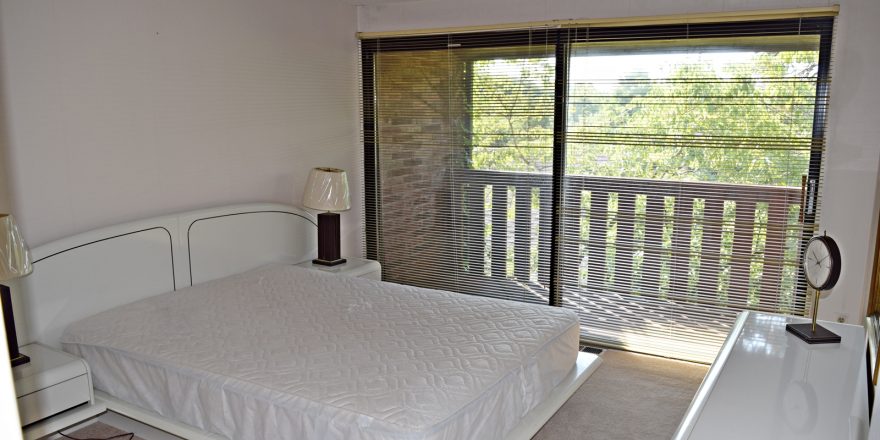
x=79 y=276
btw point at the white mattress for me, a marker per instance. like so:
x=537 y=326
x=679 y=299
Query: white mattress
x=282 y=352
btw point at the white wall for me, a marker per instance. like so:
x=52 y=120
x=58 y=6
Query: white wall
x=5 y=203
x=5 y=194
x=850 y=190
x=123 y=109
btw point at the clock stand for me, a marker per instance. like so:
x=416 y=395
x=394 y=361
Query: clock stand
x=820 y=277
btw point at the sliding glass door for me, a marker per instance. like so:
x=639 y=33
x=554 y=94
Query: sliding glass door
x=656 y=179
x=462 y=138
x=685 y=163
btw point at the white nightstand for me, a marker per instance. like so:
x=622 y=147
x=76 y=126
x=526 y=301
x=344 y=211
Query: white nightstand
x=354 y=267
x=54 y=391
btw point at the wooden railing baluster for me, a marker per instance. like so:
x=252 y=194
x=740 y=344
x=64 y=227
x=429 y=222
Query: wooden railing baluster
x=597 y=242
x=654 y=216
x=774 y=247
x=743 y=234
x=569 y=250
x=475 y=220
x=626 y=220
x=544 y=224
x=710 y=250
x=523 y=232
x=682 y=225
x=499 y=229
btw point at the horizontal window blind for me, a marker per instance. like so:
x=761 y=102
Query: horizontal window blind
x=446 y=111
x=709 y=17
x=657 y=179
x=690 y=153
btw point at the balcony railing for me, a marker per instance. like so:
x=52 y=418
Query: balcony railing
x=726 y=245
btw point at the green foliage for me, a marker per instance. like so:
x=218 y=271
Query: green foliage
x=740 y=118
x=747 y=120
x=512 y=115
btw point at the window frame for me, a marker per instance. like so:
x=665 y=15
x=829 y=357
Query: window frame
x=563 y=39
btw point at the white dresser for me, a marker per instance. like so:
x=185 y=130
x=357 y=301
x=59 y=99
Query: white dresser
x=768 y=384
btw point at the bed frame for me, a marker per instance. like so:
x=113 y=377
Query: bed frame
x=79 y=276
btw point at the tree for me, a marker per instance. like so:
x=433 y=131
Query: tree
x=747 y=120
x=512 y=114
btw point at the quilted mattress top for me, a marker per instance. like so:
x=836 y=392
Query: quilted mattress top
x=400 y=355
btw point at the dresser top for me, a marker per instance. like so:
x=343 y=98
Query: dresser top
x=768 y=384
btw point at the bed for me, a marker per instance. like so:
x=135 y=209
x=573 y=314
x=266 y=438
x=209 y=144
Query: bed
x=200 y=324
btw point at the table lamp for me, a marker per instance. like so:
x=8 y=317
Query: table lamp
x=15 y=262
x=327 y=190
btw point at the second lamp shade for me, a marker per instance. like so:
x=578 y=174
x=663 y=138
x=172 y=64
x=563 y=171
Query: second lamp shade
x=15 y=259
x=327 y=190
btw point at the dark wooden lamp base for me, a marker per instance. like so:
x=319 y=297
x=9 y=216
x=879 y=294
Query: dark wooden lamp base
x=15 y=357
x=805 y=331
x=20 y=360
x=329 y=263
x=328 y=240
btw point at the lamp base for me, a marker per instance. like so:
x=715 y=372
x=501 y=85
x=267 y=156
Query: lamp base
x=328 y=240
x=328 y=262
x=805 y=331
x=20 y=360
x=15 y=357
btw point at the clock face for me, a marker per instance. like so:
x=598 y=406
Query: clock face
x=822 y=263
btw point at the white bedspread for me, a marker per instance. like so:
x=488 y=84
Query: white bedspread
x=282 y=352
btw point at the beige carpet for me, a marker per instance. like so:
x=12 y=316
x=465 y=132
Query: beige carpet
x=100 y=430
x=630 y=397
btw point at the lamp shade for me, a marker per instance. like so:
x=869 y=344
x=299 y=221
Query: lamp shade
x=15 y=258
x=327 y=190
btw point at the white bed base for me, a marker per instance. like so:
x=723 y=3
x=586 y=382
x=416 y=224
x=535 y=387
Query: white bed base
x=586 y=364
x=85 y=274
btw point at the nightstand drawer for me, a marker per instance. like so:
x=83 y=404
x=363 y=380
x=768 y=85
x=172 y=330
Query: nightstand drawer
x=54 y=399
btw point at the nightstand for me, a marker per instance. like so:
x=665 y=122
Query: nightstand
x=354 y=267
x=54 y=391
